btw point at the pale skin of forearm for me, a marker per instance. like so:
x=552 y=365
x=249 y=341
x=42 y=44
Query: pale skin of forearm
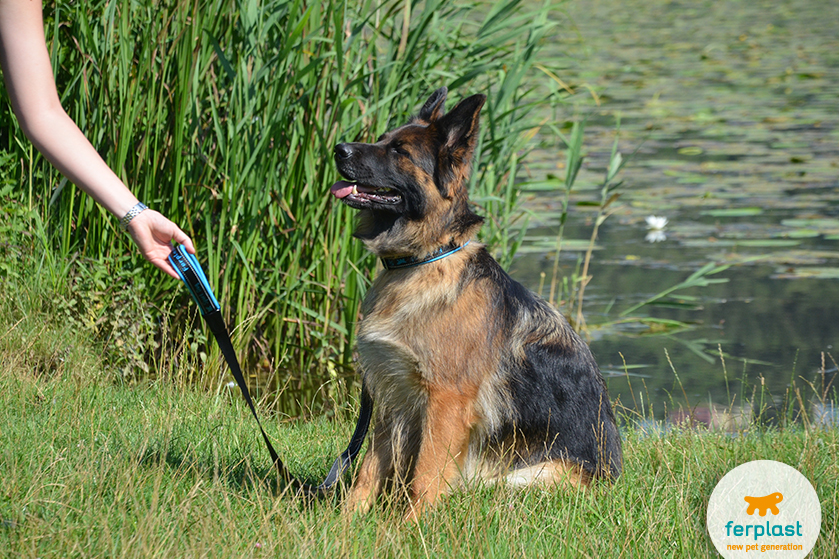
x=29 y=80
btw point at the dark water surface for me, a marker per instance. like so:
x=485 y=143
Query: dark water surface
x=736 y=108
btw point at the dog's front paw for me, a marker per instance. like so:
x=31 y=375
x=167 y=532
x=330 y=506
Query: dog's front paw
x=358 y=502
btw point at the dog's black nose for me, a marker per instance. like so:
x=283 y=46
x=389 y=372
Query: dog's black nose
x=343 y=151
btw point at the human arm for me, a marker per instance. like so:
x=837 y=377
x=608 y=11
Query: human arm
x=29 y=81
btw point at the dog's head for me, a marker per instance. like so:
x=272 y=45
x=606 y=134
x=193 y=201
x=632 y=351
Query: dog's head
x=411 y=185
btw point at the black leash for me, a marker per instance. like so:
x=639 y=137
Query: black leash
x=196 y=282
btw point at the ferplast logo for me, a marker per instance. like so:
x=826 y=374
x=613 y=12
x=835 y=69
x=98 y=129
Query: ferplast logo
x=763 y=504
x=764 y=507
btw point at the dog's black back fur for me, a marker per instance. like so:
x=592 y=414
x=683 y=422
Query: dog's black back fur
x=554 y=386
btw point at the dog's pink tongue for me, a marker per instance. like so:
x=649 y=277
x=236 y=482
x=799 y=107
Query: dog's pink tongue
x=342 y=189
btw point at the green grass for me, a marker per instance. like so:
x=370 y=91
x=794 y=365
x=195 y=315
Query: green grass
x=93 y=468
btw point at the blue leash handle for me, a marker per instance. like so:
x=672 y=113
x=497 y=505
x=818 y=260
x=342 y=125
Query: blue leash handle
x=190 y=271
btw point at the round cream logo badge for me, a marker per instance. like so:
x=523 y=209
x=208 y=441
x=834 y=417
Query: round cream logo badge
x=764 y=507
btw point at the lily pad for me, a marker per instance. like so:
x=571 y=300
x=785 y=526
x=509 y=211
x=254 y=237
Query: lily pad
x=692 y=179
x=802 y=234
x=751 y=243
x=548 y=244
x=734 y=212
x=807 y=273
x=815 y=223
x=800 y=257
x=774 y=243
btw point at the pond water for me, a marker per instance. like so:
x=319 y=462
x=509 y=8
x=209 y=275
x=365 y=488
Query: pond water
x=735 y=107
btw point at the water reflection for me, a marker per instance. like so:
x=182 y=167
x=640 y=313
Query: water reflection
x=655 y=236
x=824 y=414
x=734 y=419
x=738 y=148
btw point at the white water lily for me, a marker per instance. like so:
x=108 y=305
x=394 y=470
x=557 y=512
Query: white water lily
x=656 y=223
x=655 y=236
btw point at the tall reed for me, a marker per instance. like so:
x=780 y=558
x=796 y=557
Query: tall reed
x=223 y=116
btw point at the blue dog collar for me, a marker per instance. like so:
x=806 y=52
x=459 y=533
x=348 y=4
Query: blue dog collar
x=411 y=261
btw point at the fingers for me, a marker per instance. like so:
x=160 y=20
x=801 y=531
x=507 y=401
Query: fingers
x=183 y=239
x=154 y=234
x=166 y=267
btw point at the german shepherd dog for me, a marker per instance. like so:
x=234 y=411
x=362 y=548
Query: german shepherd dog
x=474 y=377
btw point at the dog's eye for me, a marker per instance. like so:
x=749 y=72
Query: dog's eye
x=398 y=149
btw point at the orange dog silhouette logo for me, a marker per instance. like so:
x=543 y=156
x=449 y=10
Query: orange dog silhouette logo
x=762 y=504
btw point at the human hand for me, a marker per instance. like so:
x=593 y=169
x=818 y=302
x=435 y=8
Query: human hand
x=154 y=236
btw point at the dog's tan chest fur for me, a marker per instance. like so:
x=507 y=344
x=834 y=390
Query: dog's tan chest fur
x=417 y=333
x=419 y=336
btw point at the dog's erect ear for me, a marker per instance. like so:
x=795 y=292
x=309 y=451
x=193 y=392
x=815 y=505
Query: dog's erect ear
x=459 y=131
x=435 y=106
x=461 y=124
